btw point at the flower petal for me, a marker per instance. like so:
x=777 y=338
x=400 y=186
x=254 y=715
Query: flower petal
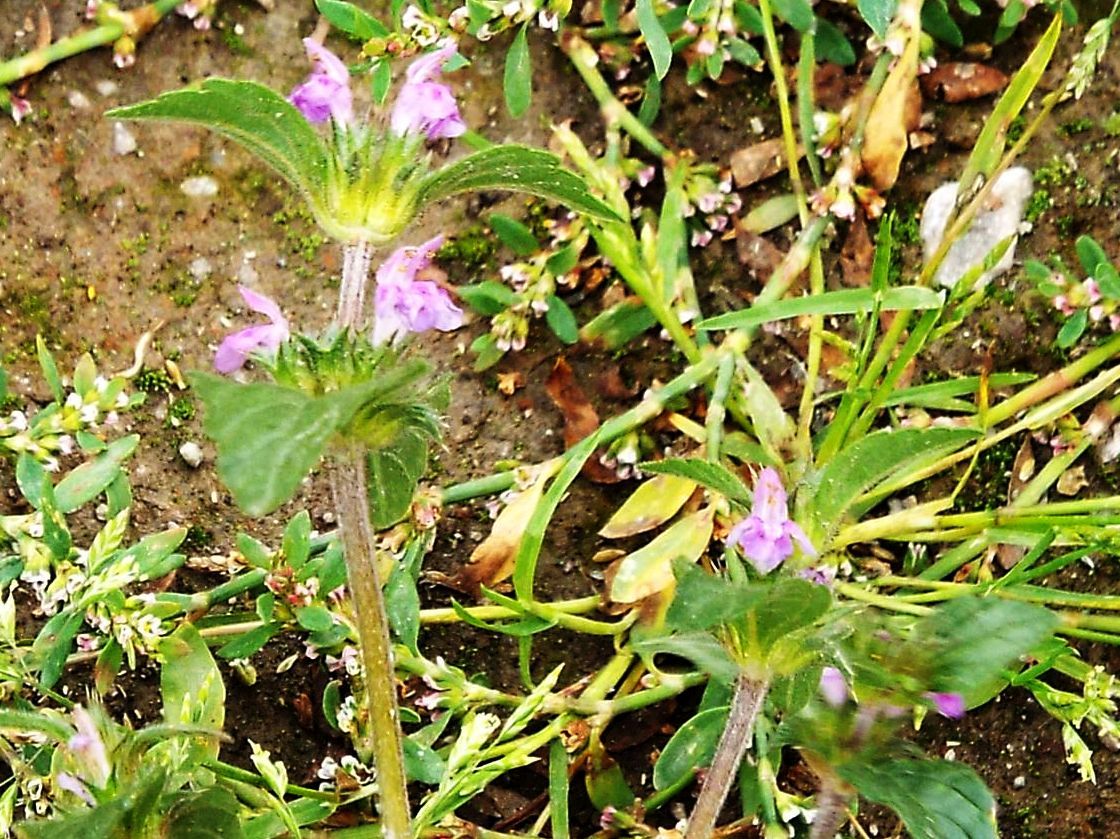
x=833 y=687
x=263 y=305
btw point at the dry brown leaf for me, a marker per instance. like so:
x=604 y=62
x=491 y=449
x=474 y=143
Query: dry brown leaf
x=857 y=254
x=1072 y=481
x=960 y=81
x=612 y=387
x=1022 y=470
x=580 y=417
x=509 y=383
x=885 y=142
x=43 y=32
x=758 y=162
x=756 y=253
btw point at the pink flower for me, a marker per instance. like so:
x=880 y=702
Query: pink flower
x=20 y=108
x=833 y=687
x=1093 y=289
x=949 y=705
x=326 y=92
x=425 y=105
x=403 y=304
x=766 y=536
x=234 y=351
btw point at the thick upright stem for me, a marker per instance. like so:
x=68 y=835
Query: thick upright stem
x=348 y=484
x=745 y=705
x=351 y=500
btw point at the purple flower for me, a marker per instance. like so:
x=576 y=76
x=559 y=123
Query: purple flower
x=403 y=304
x=949 y=705
x=765 y=536
x=235 y=349
x=89 y=749
x=326 y=92
x=833 y=687
x=425 y=105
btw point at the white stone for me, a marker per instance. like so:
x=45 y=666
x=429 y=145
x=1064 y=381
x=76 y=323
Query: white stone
x=78 y=100
x=123 y=141
x=105 y=87
x=999 y=219
x=191 y=453
x=200 y=268
x=201 y=186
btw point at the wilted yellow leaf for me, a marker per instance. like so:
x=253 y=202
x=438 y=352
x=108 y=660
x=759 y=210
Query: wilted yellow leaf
x=652 y=504
x=649 y=570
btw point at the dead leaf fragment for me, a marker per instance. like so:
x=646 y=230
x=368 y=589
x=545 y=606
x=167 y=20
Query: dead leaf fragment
x=885 y=143
x=509 y=383
x=857 y=254
x=1022 y=470
x=651 y=505
x=758 y=162
x=1072 y=481
x=580 y=417
x=960 y=81
x=756 y=253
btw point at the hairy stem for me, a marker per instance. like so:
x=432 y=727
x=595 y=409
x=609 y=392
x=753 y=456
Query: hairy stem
x=745 y=705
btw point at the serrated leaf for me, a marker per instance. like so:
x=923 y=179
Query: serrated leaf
x=90 y=479
x=691 y=747
x=256 y=117
x=975 y=639
x=701 y=648
x=874 y=458
x=269 y=437
x=394 y=471
x=517 y=80
x=712 y=475
x=936 y=799
x=650 y=505
x=657 y=42
x=649 y=570
x=515 y=168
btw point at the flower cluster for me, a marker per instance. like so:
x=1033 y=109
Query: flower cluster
x=767 y=535
x=711 y=206
x=403 y=303
x=842 y=195
x=505 y=14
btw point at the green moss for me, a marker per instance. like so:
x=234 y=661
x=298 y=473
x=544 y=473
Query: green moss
x=1038 y=204
x=1112 y=124
x=153 y=381
x=986 y=488
x=197 y=539
x=1054 y=173
x=234 y=42
x=182 y=409
x=1075 y=126
x=1016 y=128
x=301 y=235
x=1066 y=225
x=473 y=249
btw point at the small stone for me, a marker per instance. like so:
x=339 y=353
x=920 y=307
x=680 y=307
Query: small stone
x=247 y=274
x=994 y=223
x=191 y=453
x=105 y=87
x=1019 y=782
x=78 y=100
x=201 y=186
x=123 y=140
x=200 y=268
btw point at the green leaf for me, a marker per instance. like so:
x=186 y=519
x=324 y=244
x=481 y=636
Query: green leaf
x=704 y=600
x=937 y=21
x=617 y=325
x=797 y=13
x=1090 y=253
x=303 y=810
x=314 y=618
x=190 y=683
x=558 y=783
x=833 y=45
x=870 y=460
x=988 y=150
x=789 y=605
x=54 y=643
x=936 y=799
x=255 y=553
x=701 y=648
x=517 y=81
x=845 y=302
x=355 y=22
x=297 y=540
x=269 y=437
x=877 y=14
x=648 y=570
x=380 y=80
x=32 y=479
x=402 y=607
x=651 y=102
x=561 y=320
x=486 y=350
x=771 y=213
x=690 y=748
x=255 y=116
x=246 y=645
x=712 y=475
x=657 y=42
x=212 y=813
x=394 y=470
x=422 y=764
x=515 y=235
x=1072 y=329
x=90 y=479
x=108 y=819
x=488 y=297
x=50 y=369
x=975 y=639
x=515 y=168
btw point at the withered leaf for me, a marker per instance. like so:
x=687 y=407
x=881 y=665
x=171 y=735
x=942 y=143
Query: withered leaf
x=756 y=253
x=857 y=254
x=885 y=142
x=960 y=81
x=580 y=417
x=758 y=162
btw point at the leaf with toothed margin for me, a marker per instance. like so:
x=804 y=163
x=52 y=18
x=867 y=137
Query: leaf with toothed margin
x=515 y=168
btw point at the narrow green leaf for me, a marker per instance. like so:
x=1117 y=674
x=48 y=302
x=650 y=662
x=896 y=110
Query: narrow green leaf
x=657 y=42
x=618 y=325
x=845 y=302
x=1072 y=329
x=515 y=235
x=833 y=45
x=937 y=21
x=50 y=369
x=380 y=80
x=515 y=168
x=246 y=645
x=297 y=540
x=488 y=297
x=558 y=789
x=517 y=81
x=90 y=479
